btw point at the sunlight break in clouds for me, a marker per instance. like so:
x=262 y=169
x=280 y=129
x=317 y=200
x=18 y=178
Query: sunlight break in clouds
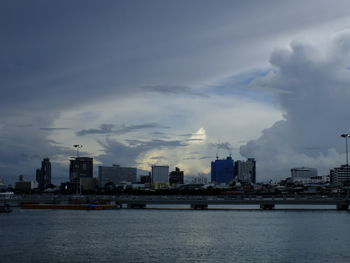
x=185 y=156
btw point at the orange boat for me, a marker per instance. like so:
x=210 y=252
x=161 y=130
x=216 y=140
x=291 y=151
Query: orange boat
x=68 y=206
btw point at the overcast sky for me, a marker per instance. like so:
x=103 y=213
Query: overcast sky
x=174 y=82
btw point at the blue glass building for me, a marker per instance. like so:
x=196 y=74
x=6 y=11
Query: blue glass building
x=222 y=171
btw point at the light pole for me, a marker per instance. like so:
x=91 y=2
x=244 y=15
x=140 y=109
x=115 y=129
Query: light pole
x=346 y=136
x=78 y=146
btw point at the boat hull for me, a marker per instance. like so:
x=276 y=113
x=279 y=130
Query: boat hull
x=68 y=206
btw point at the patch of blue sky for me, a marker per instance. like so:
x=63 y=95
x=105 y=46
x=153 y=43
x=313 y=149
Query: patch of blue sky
x=239 y=85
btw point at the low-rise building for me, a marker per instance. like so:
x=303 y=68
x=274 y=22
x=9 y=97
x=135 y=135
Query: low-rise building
x=87 y=184
x=199 y=180
x=340 y=175
x=176 y=177
x=160 y=185
x=23 y=186
x=303 y=174
x=116 y=174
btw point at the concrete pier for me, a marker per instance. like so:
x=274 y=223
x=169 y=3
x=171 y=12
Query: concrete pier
x=195 y=202
x=342 y=206
x=267 y=206
x=136 y=206
x=199 y=206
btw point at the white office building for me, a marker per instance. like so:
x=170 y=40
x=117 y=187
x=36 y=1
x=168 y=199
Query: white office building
x=116 y=174
x=302 y=174
x=160 y=174
x=246 y=170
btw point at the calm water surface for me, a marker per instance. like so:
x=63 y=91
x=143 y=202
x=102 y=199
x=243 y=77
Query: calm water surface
x=160 y=235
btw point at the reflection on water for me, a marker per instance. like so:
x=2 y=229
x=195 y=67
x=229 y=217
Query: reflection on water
x=175 y=235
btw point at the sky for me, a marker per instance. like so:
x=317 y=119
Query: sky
x=141 y=83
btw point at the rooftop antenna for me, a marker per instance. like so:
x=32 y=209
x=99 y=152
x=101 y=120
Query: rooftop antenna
x=78 y=146
x=217 y=149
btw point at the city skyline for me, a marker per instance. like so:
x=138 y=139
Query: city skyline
x=174 y=82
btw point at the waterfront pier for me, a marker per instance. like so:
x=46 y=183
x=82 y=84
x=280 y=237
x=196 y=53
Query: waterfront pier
x=194 y=202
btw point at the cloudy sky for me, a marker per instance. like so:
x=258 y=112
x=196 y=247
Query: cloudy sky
x=174 y=82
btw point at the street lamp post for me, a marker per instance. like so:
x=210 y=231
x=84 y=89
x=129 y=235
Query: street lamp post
x=346 y=136
x=78 y=146
x=78 y=186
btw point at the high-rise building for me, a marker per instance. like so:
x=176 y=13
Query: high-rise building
x=176 y=177
x=43 y=175
x=339 y=175
x=245 y=171
x=116 y=174
x=80 y=167
x=160 y=174
x=222 y=171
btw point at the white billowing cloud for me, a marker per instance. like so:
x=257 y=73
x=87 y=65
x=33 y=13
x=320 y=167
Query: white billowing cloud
x=198 y=137
x=312 y=85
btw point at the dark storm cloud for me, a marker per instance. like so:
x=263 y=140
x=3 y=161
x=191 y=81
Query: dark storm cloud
x=159 y=134
x=23 y=125
x=23 y=148
x=157 y=143
x=222 y=145
x=54 y=129
x=194 y=140
x=150 y=125
x=54 y=142
x=206 y=157
x=186 y=134
x=74 y=52
x=175 y=90
x=104 y=129
x=27 y=157
x=190 y=158
x=57 y=56
x=109 y=129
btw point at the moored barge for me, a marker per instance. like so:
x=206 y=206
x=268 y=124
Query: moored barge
x=68 y=206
